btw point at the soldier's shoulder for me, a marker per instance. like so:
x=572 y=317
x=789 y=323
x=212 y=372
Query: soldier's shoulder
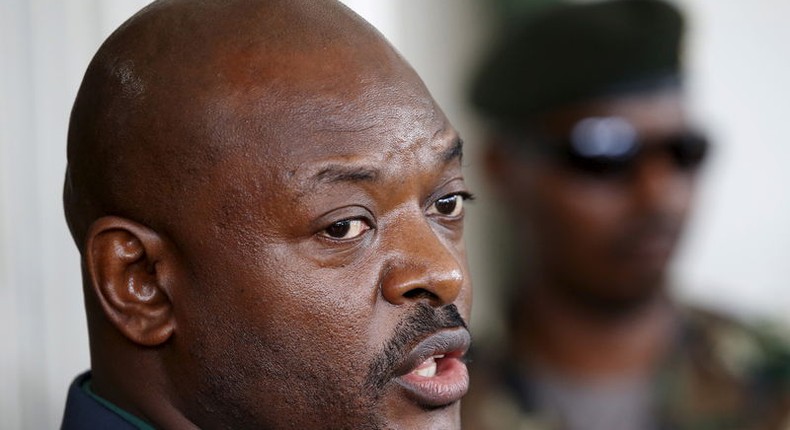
x=745 y=346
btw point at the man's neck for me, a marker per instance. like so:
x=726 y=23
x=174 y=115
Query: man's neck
x=558 y=336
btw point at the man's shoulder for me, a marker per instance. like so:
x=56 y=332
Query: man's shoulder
x=726 y=373
x=83 y=412
x=745 y=349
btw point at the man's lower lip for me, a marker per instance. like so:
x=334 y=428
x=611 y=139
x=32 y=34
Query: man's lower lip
x=448 y=385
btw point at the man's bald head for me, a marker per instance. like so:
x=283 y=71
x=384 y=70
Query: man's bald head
x=269 y=207
x=183 y=83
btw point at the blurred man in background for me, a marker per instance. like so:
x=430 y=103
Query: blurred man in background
x=596 y=160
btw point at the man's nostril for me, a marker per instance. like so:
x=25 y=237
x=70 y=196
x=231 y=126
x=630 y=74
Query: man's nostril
x=419 y=293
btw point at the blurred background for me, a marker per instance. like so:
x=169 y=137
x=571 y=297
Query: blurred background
x=736 y=254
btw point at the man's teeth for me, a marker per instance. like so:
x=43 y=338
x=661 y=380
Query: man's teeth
x=428 y=367
x=428 y=371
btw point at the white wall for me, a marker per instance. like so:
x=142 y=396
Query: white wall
x=736 y=257
x=738 y=253
x=45 y=46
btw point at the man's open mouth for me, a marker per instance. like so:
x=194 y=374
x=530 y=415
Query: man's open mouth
x=434 y=374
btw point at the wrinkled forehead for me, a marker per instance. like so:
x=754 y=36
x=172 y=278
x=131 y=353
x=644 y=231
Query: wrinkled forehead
x=339 y=100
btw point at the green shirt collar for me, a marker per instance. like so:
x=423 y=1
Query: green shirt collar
x=135 y=421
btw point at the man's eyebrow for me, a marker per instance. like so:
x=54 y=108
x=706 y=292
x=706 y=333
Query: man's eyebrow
x=455 y=151
x=338 y=173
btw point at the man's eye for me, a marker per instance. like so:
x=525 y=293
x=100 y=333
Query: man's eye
x=346 y=229
x=450 y=206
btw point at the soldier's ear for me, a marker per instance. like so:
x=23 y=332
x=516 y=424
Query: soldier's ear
x=131 y=273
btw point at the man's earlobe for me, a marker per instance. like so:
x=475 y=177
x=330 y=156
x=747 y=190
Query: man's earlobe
x=129 y=274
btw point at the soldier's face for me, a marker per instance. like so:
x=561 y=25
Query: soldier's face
x=607 y=231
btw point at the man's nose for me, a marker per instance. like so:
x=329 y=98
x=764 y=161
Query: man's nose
x=661 y=187
x=422 y=264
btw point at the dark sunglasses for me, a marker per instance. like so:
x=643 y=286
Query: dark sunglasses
x=611 y=147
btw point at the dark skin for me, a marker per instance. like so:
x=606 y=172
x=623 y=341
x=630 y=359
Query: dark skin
x=597 y=249
x=264 y=195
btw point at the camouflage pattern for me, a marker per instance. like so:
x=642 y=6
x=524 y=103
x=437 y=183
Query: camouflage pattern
x=721 y=374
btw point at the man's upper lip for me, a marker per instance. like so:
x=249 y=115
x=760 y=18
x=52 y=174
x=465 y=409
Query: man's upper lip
x=448 y=342
x=634 y=242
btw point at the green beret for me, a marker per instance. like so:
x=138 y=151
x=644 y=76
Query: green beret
x=568 y=53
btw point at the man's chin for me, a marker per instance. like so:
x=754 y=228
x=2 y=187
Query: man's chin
x=405 y=413
x=618 y=299
x=428 y=402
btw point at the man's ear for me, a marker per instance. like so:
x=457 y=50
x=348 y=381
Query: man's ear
x=130 y=268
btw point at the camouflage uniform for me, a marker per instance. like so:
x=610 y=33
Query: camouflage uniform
x=720 y=375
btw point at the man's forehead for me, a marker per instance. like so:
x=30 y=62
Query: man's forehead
x=325 y=167
x=399 y=117
x=311 y=96
x=343 y=118
x=368 y=165
x=648 y=111
x=368 y=154
x=329 y=137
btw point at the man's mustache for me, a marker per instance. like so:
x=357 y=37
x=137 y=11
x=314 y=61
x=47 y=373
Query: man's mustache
x=424 y=321
x=658 y=225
